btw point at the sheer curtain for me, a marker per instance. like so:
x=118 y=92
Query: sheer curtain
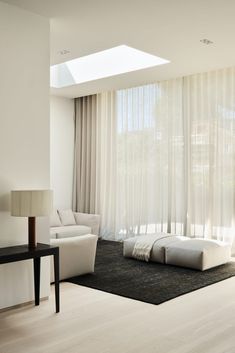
x=106 y=163
x=209 y=114
x=173 y=158
x=150 y=159
x=161 y=158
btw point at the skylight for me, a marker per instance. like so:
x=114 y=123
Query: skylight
x=106 y=63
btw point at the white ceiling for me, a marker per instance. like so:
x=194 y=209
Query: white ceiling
x=171 y=29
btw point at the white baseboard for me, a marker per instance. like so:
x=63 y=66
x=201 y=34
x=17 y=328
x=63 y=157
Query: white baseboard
x=21 y=305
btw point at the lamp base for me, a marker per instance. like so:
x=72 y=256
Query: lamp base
x=32 y=233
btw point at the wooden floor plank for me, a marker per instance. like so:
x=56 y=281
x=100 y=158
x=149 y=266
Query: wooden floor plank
x=95 y=321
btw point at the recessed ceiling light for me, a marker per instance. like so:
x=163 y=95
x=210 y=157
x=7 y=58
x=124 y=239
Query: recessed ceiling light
x=106 y=63
x=206 y=41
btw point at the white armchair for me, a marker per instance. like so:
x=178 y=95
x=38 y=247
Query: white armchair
x=76 y=234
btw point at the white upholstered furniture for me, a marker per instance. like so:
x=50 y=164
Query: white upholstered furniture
x=76 y=234
x=77 y=255
x=158 y=250
x=200 y=254
x=65 y=223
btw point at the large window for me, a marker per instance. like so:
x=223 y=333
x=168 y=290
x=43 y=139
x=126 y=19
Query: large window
x=175 y=150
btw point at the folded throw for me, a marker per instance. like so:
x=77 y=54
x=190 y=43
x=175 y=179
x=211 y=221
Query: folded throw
x=144 y=245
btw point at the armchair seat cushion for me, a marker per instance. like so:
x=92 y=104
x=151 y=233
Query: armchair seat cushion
x=69 y=231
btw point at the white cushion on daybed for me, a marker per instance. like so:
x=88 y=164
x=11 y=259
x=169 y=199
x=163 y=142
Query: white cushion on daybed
x=200 y=254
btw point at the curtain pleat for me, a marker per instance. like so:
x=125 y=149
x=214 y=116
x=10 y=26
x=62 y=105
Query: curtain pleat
x=84 y=189
x=106 y=166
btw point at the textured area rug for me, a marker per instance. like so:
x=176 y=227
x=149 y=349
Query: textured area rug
x=149 y=282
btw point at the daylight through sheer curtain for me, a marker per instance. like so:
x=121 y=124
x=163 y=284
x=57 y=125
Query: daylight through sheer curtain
x=169 y=159
x=161 y=157
x=150 y=174
x=209 y=116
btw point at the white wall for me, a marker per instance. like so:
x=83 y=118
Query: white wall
x=62 y=150
x=24 y=138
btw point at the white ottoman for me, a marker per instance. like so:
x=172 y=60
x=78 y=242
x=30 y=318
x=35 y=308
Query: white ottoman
x=200 y=254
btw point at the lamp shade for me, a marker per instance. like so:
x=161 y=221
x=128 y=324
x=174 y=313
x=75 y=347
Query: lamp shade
x=31 y=203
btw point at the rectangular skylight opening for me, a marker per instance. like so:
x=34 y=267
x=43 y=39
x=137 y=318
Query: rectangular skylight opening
x=106 y=63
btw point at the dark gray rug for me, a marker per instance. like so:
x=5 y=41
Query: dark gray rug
x=149 y=282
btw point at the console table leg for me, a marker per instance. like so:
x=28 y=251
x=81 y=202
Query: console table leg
x=57 y=279
x=37 y=265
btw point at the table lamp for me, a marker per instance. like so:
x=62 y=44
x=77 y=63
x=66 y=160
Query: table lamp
x=31 y=204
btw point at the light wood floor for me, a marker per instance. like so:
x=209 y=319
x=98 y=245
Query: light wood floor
x=93 y=321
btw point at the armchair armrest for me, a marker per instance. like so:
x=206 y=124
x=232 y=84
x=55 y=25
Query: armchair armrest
x=77 y=255
x=90 y=220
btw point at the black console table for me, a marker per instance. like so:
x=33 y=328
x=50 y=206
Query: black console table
x=23 y=252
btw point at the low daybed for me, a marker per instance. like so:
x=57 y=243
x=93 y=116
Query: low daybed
x=196 y=253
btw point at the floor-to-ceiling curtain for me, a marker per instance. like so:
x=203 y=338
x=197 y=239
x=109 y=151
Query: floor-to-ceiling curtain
x=209 y=114
x=94 y=189
x=165 y=158
x=106 y=166
x=150 y=178
x=84 y=188
x=176 y=157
